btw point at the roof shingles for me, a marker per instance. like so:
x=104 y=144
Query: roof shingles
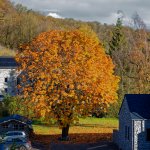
x=16 y=117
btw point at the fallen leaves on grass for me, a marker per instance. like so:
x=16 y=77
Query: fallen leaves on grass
x=74 y=138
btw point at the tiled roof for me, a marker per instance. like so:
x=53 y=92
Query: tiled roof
x=7 y=62
x=139 y=105
x=16 y=117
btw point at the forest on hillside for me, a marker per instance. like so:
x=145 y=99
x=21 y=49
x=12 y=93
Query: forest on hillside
x=128 y=47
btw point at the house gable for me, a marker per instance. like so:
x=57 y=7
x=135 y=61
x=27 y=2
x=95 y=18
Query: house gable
x=125 y=126
x=124 y=109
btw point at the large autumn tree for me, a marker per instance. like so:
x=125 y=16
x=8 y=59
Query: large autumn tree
x=66 y=75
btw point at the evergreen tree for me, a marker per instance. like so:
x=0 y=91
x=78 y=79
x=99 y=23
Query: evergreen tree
x=118 y=38
x=117 y=51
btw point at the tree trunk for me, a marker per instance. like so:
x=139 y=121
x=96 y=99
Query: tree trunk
x=65 y=131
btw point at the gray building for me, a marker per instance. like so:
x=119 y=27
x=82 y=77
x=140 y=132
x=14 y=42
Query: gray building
x=134 y=123
x=8 y=76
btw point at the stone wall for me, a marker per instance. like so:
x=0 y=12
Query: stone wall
x=140 y=141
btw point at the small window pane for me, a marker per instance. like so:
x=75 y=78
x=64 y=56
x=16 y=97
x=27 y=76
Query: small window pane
x=16 y=127
x=5 y=126
x=21 y=127
x=6 y=90
x=6 y=79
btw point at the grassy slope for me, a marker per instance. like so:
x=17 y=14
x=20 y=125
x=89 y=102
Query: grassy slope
x=6 y=52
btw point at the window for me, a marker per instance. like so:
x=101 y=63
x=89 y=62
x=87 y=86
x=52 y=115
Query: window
x=18 y=81
x=10 y=125
x=21 y=127
x=6 y=79
x=127 y=132
x=148 y=134
x=16 y=127
x=5 y=126
x=6 y=90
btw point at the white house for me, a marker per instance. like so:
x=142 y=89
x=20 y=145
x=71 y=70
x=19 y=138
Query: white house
x=134 y=123
x=8 y=76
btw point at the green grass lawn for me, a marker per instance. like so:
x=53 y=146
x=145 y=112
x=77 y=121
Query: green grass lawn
x=87 y=125
x=102 y=122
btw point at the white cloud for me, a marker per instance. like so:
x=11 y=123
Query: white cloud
x=126 y=20
x=55 y=15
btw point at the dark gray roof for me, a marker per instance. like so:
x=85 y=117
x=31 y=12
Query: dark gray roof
x=7 y=62
x=135 y=116
x=139 y=105
x=16 y=117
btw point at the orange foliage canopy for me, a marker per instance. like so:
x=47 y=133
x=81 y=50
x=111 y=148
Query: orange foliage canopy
x=66 y=74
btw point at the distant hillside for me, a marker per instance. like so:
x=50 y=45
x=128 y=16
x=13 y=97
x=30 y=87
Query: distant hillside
x=21 y=25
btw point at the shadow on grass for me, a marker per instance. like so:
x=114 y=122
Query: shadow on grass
x=43 y=142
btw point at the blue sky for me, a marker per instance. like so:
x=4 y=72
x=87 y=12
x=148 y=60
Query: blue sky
x=104 y=11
